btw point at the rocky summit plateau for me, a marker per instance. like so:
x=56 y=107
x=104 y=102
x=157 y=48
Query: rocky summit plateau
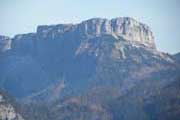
x=98 y=69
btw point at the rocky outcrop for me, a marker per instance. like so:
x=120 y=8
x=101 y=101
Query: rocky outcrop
x=5 y=43
x=7 y=111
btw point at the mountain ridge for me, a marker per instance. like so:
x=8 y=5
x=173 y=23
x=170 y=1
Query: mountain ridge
x=125 y=27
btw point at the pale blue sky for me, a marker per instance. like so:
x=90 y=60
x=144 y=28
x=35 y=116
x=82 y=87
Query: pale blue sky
x=163 y=16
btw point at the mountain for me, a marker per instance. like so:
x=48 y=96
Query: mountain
x=78 y=52
x=97 y=69
x=7 y=109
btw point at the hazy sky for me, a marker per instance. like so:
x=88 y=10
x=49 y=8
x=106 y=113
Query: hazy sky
x=163 y=16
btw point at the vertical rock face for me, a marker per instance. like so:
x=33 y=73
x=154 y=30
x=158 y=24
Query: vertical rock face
x=24 y=43
x=96 y=26
x=5 y=43
x=133 y=31
x=52 y=31
x=128 y=28
x=125 y=27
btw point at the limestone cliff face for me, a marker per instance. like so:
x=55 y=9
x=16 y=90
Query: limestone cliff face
x=128 y=28
x=24 y=43
x=124 y=27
